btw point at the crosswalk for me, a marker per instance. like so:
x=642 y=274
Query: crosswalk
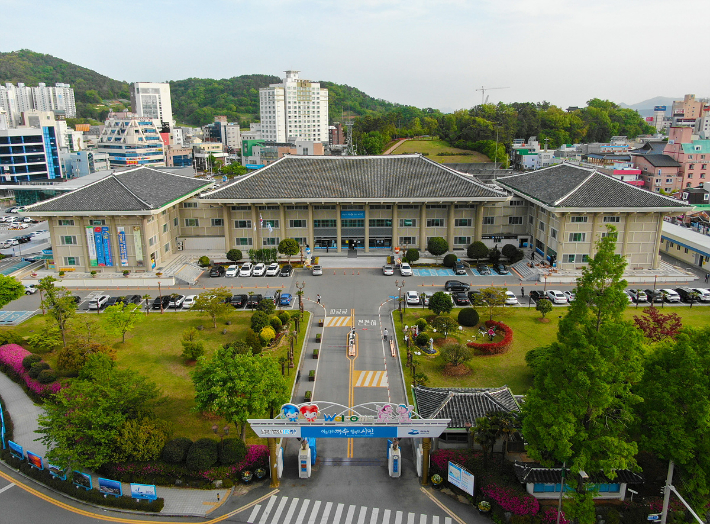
x=338 y=322
x=371 y=379
x=285 y=510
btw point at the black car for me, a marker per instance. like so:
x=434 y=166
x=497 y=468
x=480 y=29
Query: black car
x=474 y=296
x=501 y=269
x=654 y=295
x=239 y=301
x=23 y=239
x=76 y=299
x=112 y=301
x=538 y=295
x=483 y=269
x=165 y=300
x=217 y=271
x=460 y=299
x=456 y=285
x=688 y=295
x=130 y=299
x=286 y=271
x=460 y=269
x=253 y=301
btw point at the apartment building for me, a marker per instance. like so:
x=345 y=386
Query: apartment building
x=131 y=140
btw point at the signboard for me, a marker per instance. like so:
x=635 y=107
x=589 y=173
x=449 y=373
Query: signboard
x=138 y=245
x=659 y=108
x=93 y=261
x=254 y=166
x=108 y=256
x=81 y=480
x=2 y=428
x=654 y=516
x=110 y=487
x=122 y=247
x=16 y=450
x=143 y=491
x=57 y=472
x=461 y=478
x=352 y=214
x=98 y=242
x=679 y=111
x=34 y=460
x=649 y=119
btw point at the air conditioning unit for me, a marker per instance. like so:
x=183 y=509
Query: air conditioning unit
x=180 y=246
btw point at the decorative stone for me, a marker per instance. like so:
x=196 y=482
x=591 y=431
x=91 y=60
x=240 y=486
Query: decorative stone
x=217 y=484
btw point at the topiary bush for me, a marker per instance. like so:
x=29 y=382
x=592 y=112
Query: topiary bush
x=259 y=320
x=202 y=454
x=204 y=261
x=421 y=324
x=175 y=450
x=253 y=340
x=36 y=368
x=422 y=339
x=10 y=337
x=450 y=260
x=267 y=334
x=232 y=451
x=509 y=250
x=468 y=317
x=276 y=324
x=285 y=318
x=29 y=360
x=46 y=376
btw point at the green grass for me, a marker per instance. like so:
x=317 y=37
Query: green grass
x=434 y=147
x=509 y=368
x=154 y=349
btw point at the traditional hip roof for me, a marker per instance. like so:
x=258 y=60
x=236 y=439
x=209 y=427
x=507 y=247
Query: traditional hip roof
x=463 y=405
x=534 y=473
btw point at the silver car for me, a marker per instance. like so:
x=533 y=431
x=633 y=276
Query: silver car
x=317 y=270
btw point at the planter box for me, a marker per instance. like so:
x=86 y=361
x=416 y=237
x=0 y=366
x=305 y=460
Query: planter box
x=307 y=396
x=318 y=335
x=315 y=353
x=320 y=322
x=311 y=376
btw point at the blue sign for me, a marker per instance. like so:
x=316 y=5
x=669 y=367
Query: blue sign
x=16 y=450
x=2 y=428
x=110 y=487
x=254 y=166
x=107 y=246
x=348 y=432
x=122 y=248
x=659 y=108
x=82 y=480
x=314 y=451
x=99 y=247
x=352 y=214
x=56 y=471
x=143 y=491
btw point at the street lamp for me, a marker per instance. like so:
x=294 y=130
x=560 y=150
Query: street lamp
x=222 y=434
x=300 y=295
x=399 y=287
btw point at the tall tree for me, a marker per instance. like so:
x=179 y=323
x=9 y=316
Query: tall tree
x=121 y=318
x=440 y=303
x=214 y=303
x=491 y=299
x=10 y=289
x=289 y=247
x=437 y=246
x=59 y=304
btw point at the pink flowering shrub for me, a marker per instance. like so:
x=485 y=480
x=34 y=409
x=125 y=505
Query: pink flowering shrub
x=11 y=356
x=516 y=501
x=550 y=516
x=440 y=459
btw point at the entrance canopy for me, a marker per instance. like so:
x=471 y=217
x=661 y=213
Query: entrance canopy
x=330 y=420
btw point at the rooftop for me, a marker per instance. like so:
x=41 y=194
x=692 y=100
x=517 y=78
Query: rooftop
x=686 y=237
x=661 y=160
x=463 y=405
x=532 y=472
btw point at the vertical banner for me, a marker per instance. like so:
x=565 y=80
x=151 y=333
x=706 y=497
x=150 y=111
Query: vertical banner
x=122 y=248
x=138 y=245
x=91 y=245
x=108 y=256
x=99 y=247
x=2 y=428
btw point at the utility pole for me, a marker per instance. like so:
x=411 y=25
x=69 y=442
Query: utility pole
x=667 y=492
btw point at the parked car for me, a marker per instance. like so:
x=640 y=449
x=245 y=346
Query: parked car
x=501 y=269
x=483 y=269
x=259 y=270
x=286 y=271
x=654 y=295
x=76 y=299
x=253 y=301
x=510 y=298
x=232 y=271
x=317 y=270
x=538 y=295
x=570 y=296
x=670 y=295
x=176 y=302
x=638 y=295
x=628 y=296
x=687 y=295
x=388 y=270
x=285 y=299
x=112 y=301
x=704 y=294
x=272 y=270
x=163 y=301
x=460 y=269
x=405 y=270
x=217 y=271
x=270 y=296
x=412 y=298
x=98 y=302
x=426 y=296
x=189 y=301
x=456 y=285
x=474 y=296
x=30 y=289
x=556 y=296
x=239 y=301
x=130 y=299
x=461 y=299
x=246 y=270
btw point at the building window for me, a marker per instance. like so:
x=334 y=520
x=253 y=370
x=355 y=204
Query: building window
x=578 y=219
x=352 y=222
x=553 y=232
x=380 y=206
x=217 y=222
x=153 y=240
x=541 y=225
x=241 y=208
x=515 y=221
x=530 y=219
x=176 y=221
x=517 y=202
x=68 y=240
x=540 y=244
x=575 y=258
x=691 y=166
x=437 y=206
x=274 y=223
x=189 y=204
x=326 y=222
x=270 y=241
x=464 y=206
x=297 y=223
x=463 y=222
x=577 y=237
x=489 y=221
x=436 y=222
x=71 y=261
x=407 y=222
x=407 y=241
x=380 y=222
x=462 y=241
x=97 y=222
x=242 y=224
x=612 y=220
x=407 y=206
x=268 y=208
x=243 y=241
x=614 y=235
x=301 y=240
x=297 y=208
x=352 y=207
x=165 y=228
x=324 y=208
x=166 y=247
x=191 y=222
x=65 y=222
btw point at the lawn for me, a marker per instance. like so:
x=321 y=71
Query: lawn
x=153 y=349
x=509 y=368
x=433 y=147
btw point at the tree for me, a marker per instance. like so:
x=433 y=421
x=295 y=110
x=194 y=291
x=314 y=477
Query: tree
x=192 y=349
x=440 y=302
x=485 y=435
x=10 y=289
x=444 y=324
x=214 y=303
x=234 y=255
x=289 y=247
x=456 y=354
x=238 y=386
x=517 y=256
x=477 y=250
x=412 y=255
x=509 y=250
x=59 y=304
x=437 y=246
x=494 y=255
x=657 y=326
x=544 y=307
x=121 y=318
x=491 y=299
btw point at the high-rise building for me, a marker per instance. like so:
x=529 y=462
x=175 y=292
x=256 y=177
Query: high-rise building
x=15 y=100
x=29 y=154
x=152 y=100
x=294 y=109
x=131 y=140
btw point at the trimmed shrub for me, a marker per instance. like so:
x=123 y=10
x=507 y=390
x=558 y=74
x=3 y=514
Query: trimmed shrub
x=253 y=341
x=412 y=255
x=267 y=334
x=468 y=317
x=276 y=324
x=204 y=261
x=422 y=339
x=421 y=324
x=29 y=360
x=450 y=260
x=175 y=450
x=234 y=255
x=509 y=250
x=495 y=348
x=285 y=318
x=192 y=349
x=259 y=320
x=36 y=368
x=202 y=454
x=10 y=337
x=46 y=376
x=233 y=450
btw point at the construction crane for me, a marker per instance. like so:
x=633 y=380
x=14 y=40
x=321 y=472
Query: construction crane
x=483 y=92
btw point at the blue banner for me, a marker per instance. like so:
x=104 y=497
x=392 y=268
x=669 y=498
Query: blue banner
x=122 y=248
x=99 y=247
x=348 y=432
x=56 y=471
x=16 y=449
x=2 y=428
x=108 y=258
x=143 y=491
x=352 y=214
x=110 y=487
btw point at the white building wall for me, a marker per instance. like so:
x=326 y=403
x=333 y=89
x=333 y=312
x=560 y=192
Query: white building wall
x=152 y=100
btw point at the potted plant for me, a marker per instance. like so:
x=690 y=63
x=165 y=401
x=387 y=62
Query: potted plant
x=126 y=272
x=320 y=322
x=93 y=273
x=315 y=353
x=318 y=337
x=312 y=375
x=260 y=473
x=159 y=274
x=61 y=273
x=436 y=481
x=246 y=476
x=484 y=506
x=307 y=396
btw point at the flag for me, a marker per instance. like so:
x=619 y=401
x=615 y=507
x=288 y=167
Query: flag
x=271 y=229
x=261 y=222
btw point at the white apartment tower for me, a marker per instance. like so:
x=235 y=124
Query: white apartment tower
x=16 y=100
x=295 y=109
x=152 y=100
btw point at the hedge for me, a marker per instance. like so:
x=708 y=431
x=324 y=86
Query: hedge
x=495 y=348
x=175 y=450
x=232 y=451
x=468 y=317
x=203 y=454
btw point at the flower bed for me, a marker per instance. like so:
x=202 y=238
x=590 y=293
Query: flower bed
x=510 y=499
x=440 y=459
x=11 y=356
x=495 y=348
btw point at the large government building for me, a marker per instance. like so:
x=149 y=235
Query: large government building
x=137 y=218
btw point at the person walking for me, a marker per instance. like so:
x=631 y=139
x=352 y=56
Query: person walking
x=706 y=277
x=386 y=334
x=522 y=290
x=318 y=298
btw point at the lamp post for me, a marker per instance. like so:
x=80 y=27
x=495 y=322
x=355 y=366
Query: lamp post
x=222 y=434
x=399 y=285
x=160 y=295
x=300 y=287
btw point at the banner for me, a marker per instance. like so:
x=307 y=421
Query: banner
x=122 y=248
x=143 y=491
x=81 y=479
x=56 y=471
x=16 y=449
x=2 y=428
x=110 y=487
x=99 y=247
x=91 y=244
x=34 y=460
x=461 y=478
x=138 y=245
x=108 y=256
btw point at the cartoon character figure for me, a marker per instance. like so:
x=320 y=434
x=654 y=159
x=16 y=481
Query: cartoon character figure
x=290 y=412
x=310 y=411
x=384 y=414
x=404 y=413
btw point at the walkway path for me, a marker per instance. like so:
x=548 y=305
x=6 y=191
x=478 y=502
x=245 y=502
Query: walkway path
x=399 y=143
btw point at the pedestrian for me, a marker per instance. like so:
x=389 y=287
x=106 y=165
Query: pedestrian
x=318 y=297
x=327 y=249
x=385 y=334
x=522 y=290
x=706 y=277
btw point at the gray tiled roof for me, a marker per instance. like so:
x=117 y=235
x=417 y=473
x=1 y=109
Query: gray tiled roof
x=650 y=148
x=463 y=405
x=661 y=161
x=140 y=189
x=354 y=177
x=568 y=185
x=532 y=472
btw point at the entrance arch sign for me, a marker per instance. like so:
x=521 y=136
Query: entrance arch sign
x=331 y=420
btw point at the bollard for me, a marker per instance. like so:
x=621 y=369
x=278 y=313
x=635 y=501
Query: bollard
x=334 y=271
x=267 y=286
x=358 y=273
x=353 y=272
x=343 y=272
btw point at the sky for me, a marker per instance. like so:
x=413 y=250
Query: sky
x=435 y=53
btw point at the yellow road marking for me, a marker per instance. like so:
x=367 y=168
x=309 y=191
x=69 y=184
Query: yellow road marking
x=351 y=385
x=338 y=322
x=107 y=518
x=441 y=505
x=371 y=379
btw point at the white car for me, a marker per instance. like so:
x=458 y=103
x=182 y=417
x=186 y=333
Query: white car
x=273 y=270
x=570 y=296
x=259 y=269
x=426 y=297
x=412 y=298
x=510 y=298
x=189 y=301
x=670 y=295
x=703 y=294
x=556 y=296
x=98 y=302
x=176 y=303
x=30 y=289
x=387 y=270
x=35 y=233
x=317 y=270
x=246 y=270
x=405 y=270
x=232 y=271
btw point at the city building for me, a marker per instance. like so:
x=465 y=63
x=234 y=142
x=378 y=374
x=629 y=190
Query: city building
x=658 y=172
x=689 y=107
x=336 y=136
x=178 y=157
x=692 y=155
x=82 y=163
x=15 y=100
x=202 y=151
x=696 y=196
x=29 y=154
x=685 y=244
x=228 y=133
x=258 y=153
x=294 y=109
x=131 y=140
x=152 y=100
